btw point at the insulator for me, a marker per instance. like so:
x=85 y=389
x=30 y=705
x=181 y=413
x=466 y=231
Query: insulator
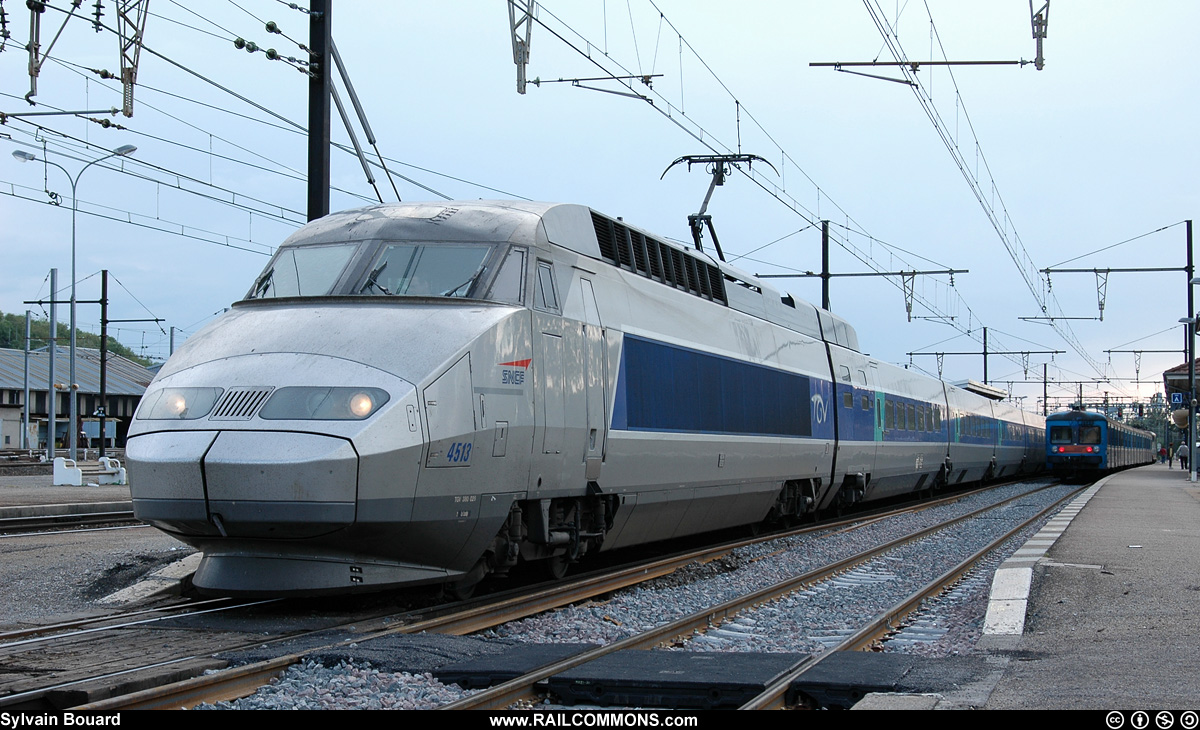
x=272 y=27
x=239 y=43
x=272 y=54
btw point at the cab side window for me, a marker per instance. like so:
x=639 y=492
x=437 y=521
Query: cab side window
x=546 y=295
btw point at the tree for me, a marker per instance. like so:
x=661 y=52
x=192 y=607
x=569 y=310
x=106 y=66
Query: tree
x=12 y=336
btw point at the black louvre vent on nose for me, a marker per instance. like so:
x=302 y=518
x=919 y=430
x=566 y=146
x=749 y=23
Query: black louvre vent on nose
x=240 y=403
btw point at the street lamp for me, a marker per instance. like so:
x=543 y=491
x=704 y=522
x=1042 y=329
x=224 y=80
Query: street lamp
x=1191 y=355
x=23 y=156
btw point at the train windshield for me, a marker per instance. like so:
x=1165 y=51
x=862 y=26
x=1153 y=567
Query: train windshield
x=303 y=271
x=1060 y=434
x=428 y=270
x=1089 y=434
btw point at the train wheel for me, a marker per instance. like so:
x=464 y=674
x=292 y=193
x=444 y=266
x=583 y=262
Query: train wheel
x=556 y=566
x=464 y=588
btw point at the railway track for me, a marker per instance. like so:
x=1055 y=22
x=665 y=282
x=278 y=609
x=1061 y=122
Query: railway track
x=240 y=681
x=107 y=515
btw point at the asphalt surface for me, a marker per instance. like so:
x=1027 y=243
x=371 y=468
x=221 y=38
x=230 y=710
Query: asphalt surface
x=1113 y=619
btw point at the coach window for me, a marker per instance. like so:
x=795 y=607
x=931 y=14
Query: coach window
x=546 y=296
x=889 y=419
x=912 y=417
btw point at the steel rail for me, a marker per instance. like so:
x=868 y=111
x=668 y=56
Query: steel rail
x=521 y=688
x=118 y=617
x=774 y=696
x=38 y=522
x=213 y=687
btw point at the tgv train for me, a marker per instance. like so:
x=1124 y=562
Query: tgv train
x=1081 y=442
x=429 y=393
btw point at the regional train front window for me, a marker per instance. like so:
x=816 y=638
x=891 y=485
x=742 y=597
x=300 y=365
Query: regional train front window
x=1060 y=434
x=1089 y=434
x=303 y=271
x=427 y=270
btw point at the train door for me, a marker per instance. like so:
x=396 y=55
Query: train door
x=558 y=389
x=594 y=380
x=866 y=379
x=552 y=407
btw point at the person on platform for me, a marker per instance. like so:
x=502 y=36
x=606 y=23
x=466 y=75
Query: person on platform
x=1162 y=454
x=1183 y=454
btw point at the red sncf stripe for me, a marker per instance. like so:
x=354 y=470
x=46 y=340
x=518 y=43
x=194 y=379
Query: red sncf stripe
x=517 y=363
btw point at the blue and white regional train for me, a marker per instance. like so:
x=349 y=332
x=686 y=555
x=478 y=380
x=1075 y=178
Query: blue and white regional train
x=1085 y=443
x=429 y=393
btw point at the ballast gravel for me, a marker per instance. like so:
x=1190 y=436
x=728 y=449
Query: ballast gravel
x=346 y=686
x=804 y=621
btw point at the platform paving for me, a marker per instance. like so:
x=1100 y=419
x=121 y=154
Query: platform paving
x=1112 y=620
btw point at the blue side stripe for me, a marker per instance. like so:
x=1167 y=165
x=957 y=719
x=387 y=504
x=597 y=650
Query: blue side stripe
x=668 y=388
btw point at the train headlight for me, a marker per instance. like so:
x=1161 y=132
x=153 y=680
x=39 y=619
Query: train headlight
x=185 y=404
x=362 y=404
x=323 y=404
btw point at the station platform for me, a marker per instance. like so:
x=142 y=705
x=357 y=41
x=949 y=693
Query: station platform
x=1111 y=604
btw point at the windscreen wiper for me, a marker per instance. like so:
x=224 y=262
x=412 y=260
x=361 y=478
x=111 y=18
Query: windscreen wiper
x=263 y=283
x=372 y=284
x=467 y=283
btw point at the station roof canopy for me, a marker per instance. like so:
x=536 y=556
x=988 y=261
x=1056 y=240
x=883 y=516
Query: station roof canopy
x=1175 y=380
x=987 y=391
x=125 y=377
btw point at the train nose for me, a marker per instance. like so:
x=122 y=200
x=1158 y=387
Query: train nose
x=250 y=484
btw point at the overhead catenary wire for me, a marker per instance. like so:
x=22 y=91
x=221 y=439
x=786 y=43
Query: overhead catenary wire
x=1016 y=249
x=675 y=115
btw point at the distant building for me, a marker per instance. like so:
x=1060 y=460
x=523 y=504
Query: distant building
x=126 y=384
x=1175 y=381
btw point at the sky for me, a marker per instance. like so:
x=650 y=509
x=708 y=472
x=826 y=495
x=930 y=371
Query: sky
x=1088 y=163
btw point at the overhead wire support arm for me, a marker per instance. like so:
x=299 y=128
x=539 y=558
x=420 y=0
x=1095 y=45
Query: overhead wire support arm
x=913 y=65
x=362 y=119
x=916 y=65
x=808 y=274
x=647 y=79
x=1102 y=283
x=362 y=159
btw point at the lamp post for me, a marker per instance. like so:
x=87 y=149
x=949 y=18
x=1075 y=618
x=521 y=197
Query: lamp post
x=23 y=156
x=1191 y=355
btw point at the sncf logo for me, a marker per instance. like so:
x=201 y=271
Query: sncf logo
x=514 y=372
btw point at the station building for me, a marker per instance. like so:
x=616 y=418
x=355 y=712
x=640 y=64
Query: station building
x=127 y=381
